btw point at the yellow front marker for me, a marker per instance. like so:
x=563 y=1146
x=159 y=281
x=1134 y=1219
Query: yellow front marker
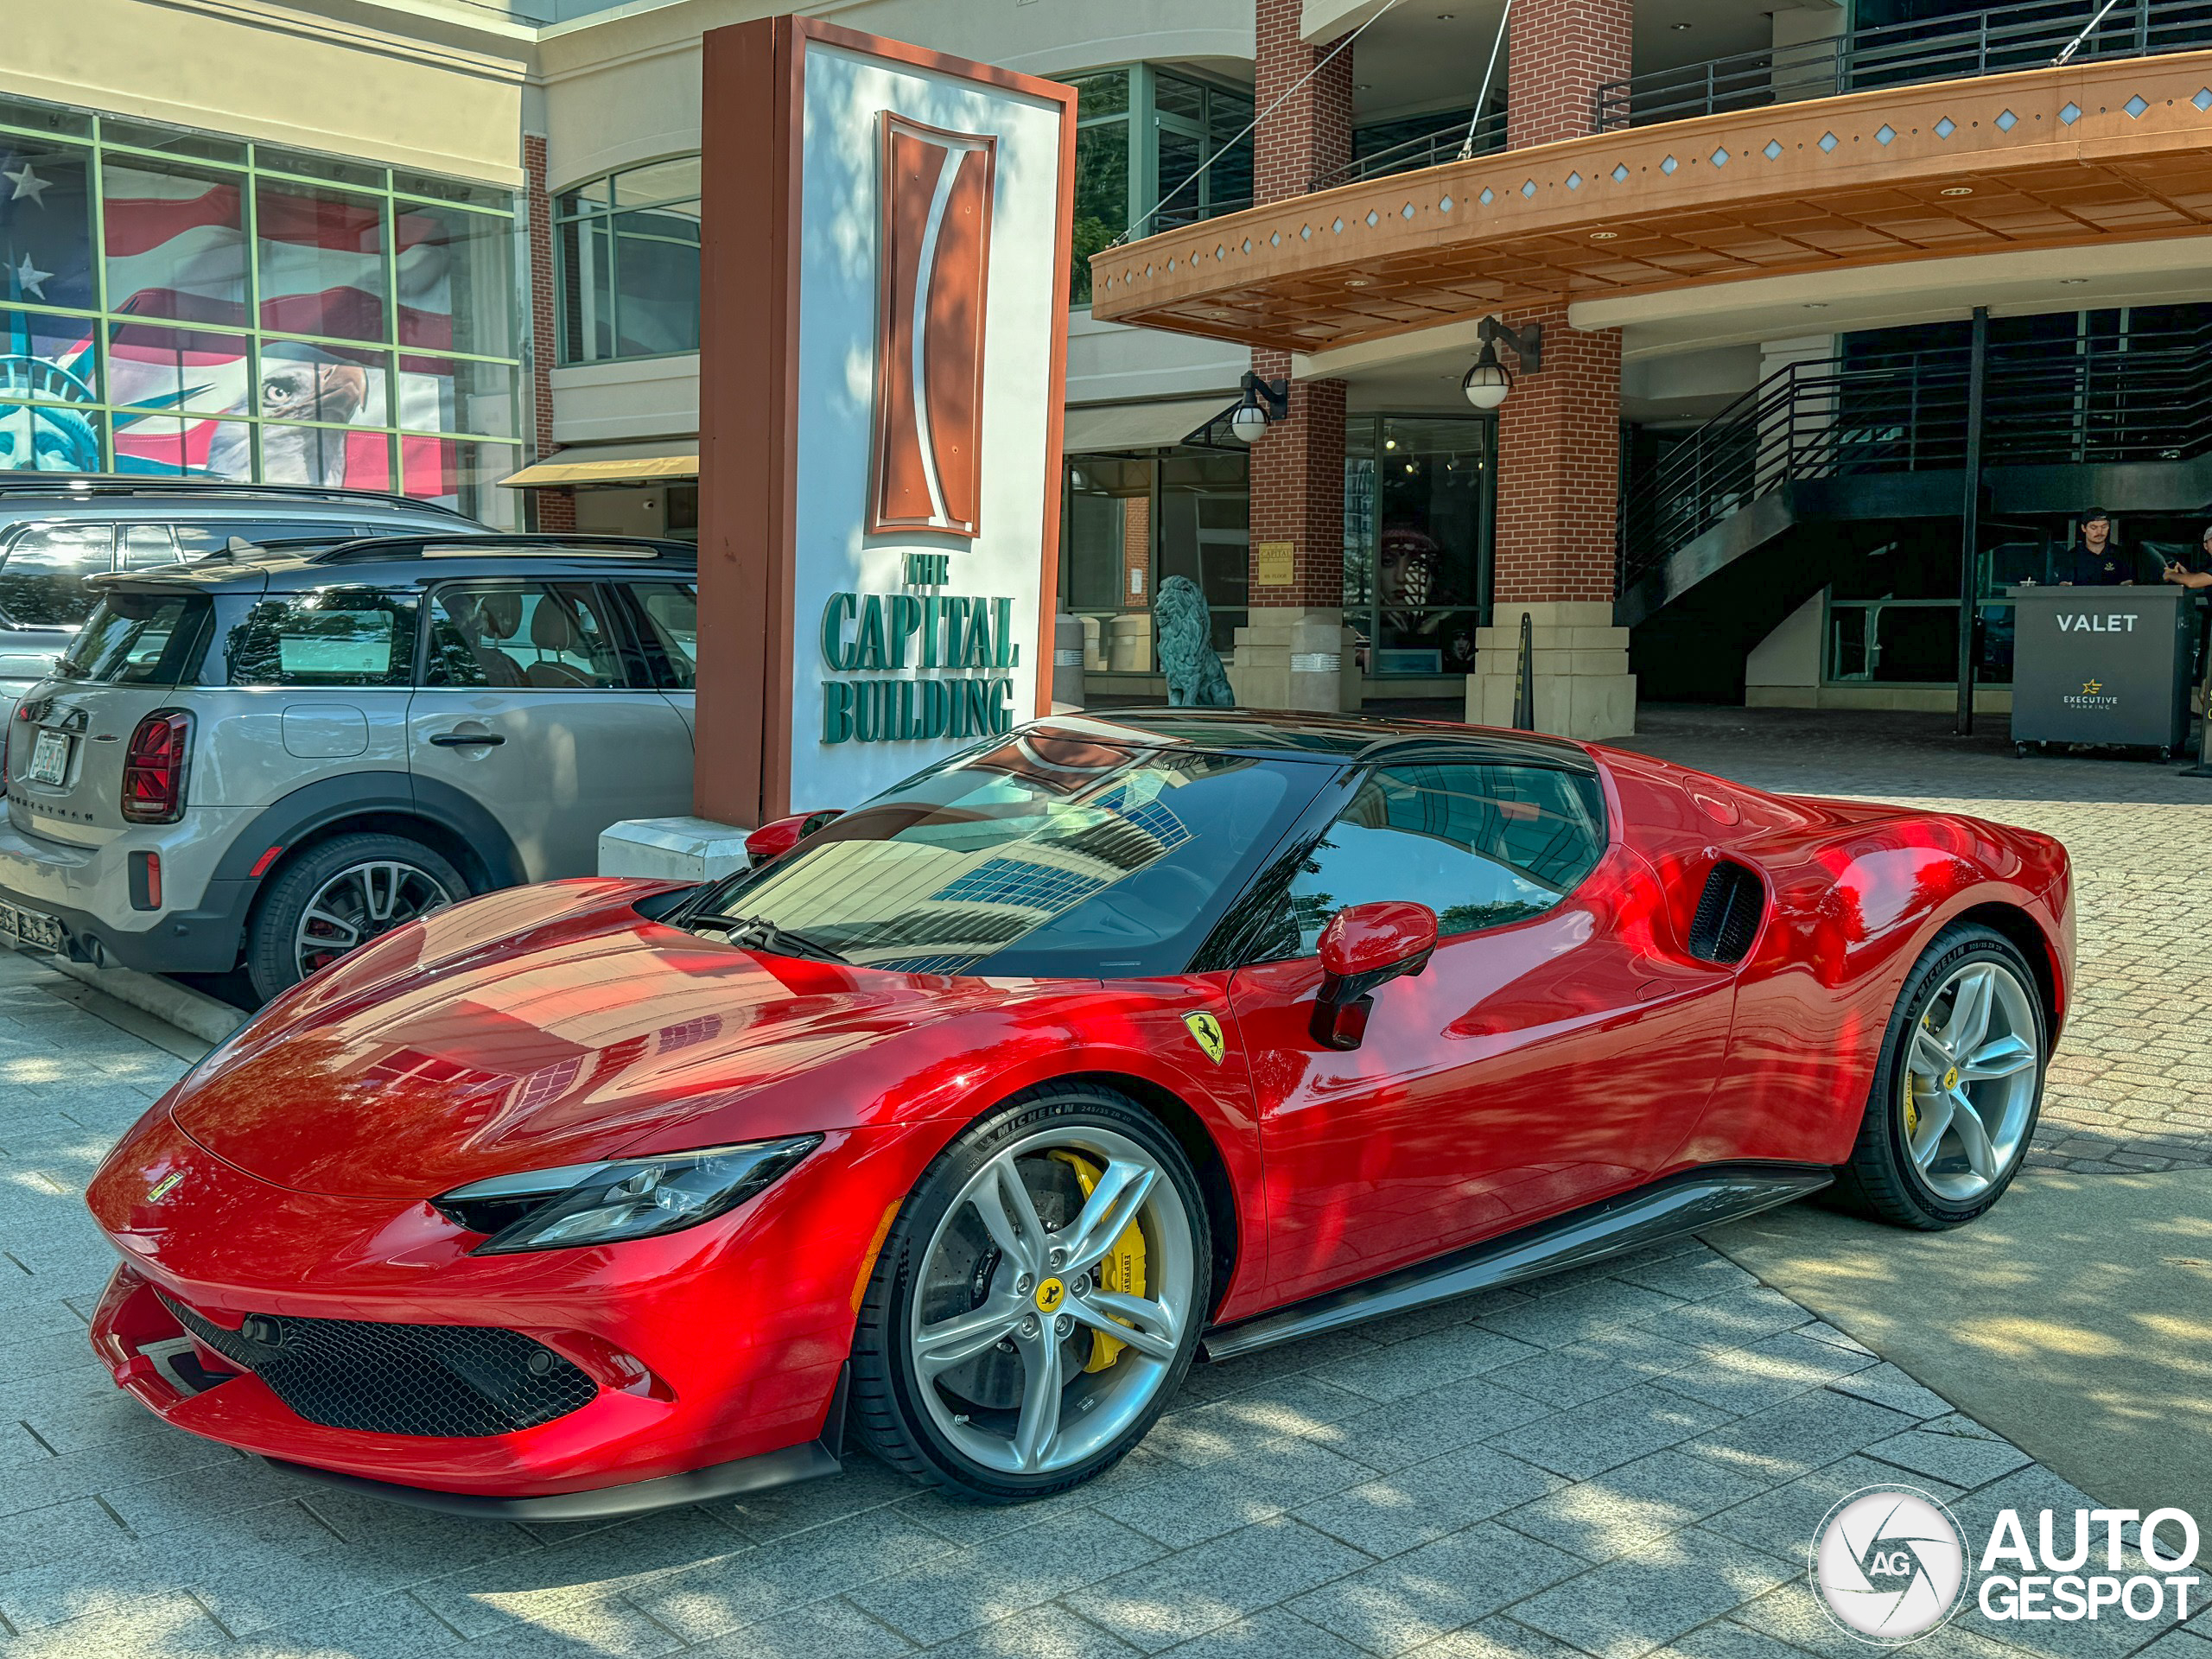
x=1122 y=1271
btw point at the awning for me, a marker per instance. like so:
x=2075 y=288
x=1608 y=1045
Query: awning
x=582 y=467
x=1108 y=427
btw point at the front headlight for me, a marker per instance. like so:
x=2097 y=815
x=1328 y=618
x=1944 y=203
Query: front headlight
x=627 y=1197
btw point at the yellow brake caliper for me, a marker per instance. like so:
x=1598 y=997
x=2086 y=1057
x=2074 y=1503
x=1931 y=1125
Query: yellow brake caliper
x=1122 y=1271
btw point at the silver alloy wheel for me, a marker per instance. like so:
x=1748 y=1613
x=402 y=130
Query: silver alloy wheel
x=1969 y=1086
x=1034 y=1297
x=359 y=903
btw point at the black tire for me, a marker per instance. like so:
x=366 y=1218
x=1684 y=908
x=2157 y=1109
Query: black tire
x=886 y=1407
x=1881 y=1180
x=271 y=962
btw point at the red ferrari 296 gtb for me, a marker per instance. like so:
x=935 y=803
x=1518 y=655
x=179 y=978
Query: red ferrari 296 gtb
x=962 y=1122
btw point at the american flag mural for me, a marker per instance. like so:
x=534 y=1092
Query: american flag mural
x=179 y=260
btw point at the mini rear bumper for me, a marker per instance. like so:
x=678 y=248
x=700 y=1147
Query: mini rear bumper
x=87 y=889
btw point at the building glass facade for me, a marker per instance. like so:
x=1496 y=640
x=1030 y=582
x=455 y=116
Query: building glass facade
x=1130 y=522
x=181 y=304
x=627 y=249
x=1418 y=498
x=1143 y=139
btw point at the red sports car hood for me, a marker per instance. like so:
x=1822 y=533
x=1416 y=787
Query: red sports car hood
x=545 y=1026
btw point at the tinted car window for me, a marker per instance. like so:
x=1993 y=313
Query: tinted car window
x=43 y=576
x=137 y=639
x=1480 y=845
x=671 y=618
x=1040 y=855
x=333 y=636
x=531 y=635
x=202 y=536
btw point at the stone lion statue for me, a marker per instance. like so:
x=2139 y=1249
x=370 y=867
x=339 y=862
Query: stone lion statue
x=1187 y=659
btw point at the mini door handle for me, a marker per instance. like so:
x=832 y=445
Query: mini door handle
x=464 y=740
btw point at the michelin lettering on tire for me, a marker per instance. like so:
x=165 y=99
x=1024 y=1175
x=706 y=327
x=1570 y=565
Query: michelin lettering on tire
x=1890 y=1565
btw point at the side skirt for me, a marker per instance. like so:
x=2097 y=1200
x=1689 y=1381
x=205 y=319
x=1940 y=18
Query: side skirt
x=1667 y=1208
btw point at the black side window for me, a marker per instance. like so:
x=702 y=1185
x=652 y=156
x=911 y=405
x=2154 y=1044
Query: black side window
x=42 y=577
x=668 y=617
x=1481 y=845
x=332 y=636
x=531 y=635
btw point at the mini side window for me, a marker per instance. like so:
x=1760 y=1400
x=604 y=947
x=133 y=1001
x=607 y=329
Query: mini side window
x=42 y=575
x=523 y=635
x=332 y=636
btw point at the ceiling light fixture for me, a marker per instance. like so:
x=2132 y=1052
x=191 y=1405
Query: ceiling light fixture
x=1957 y=190
x=1682 y=28
x=2072 y=282
x=1355 y=281
x=1816 y=305
x=1603 y=236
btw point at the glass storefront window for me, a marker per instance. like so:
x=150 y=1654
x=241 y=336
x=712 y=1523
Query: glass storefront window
x=1204 y=534
x=1418 y=495
x=237 y=315
x=627 y=247
x=1131 y=521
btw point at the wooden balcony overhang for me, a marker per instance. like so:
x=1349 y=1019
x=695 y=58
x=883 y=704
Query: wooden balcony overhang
x=2119 y=150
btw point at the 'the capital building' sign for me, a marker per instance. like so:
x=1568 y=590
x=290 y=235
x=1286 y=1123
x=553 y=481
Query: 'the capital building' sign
x=884 y=284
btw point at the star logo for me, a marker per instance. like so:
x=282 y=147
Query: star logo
x=30 y=279
x=2090 y=688
x=26 y=183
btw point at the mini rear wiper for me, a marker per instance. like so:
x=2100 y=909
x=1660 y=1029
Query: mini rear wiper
x=759 y=933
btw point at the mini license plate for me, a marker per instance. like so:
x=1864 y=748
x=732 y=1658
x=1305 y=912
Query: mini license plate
x=49 y=759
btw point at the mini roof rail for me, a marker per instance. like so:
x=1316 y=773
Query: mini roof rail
x=499 y=544
x=126 y=484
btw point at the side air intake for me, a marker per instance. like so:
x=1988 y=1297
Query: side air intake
x=1728 y=911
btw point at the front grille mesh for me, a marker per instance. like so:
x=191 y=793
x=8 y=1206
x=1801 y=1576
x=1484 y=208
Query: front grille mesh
x=461 y=1381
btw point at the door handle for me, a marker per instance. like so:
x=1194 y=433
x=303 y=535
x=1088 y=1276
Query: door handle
x=463 y=740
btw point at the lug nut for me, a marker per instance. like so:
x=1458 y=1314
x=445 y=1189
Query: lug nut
x=1059 y=1255
x=1029 y=1327
x=1062 y=1325
x=1081 y=1287
x=1024 y=1284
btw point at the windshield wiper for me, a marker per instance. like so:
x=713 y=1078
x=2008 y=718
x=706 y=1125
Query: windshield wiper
x=759 y=933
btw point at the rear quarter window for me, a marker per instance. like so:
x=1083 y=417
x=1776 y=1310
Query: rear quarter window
x=42 y=573
x=328 y=636
x=138 y=638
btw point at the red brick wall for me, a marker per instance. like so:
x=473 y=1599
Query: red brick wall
x=1297 y=468
x=1310 y=135
x=1562 y=51
x=1136 y=550
x=546 y=509
x=1558 y=463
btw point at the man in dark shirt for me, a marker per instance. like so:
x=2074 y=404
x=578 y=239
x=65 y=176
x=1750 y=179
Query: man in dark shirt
x=2097 y=561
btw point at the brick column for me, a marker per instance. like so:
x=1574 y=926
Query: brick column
x=1289 y=655
x=1559 y=433
x=551 y=510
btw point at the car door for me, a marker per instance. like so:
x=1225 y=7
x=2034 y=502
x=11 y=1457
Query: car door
x=1553 y=1050
x=527 y=707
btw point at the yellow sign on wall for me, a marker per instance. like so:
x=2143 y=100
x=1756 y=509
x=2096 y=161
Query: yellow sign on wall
x=1276 y=559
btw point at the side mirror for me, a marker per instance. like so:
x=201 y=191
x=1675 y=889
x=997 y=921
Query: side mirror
x=772 y=840
x=1364 y=946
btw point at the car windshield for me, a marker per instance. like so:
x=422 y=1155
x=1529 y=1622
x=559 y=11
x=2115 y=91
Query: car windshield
x=1045 y=855
x=137 y=639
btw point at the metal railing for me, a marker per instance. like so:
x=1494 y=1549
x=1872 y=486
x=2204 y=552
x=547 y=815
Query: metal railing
x=1424 y=150
x=2033 y=35
x=2146 y=399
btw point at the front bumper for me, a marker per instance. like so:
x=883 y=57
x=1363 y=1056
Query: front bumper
x=87 y=889
x=709 y=1350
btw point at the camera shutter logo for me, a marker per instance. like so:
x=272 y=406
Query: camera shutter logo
x=1890 y=1564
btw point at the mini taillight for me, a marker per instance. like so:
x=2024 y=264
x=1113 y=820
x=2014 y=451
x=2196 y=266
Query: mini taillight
x=154 y=768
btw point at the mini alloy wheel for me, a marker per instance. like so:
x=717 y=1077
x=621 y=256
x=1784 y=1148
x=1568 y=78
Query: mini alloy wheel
x=359 y=903
x=336 y=896
x=1028 y=1330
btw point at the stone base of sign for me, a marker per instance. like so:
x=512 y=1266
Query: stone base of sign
x=672 y=849
x=1583 y=688
x=1295 y=656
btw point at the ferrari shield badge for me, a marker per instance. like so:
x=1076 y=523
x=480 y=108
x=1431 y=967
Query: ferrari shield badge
x=1206 y=1031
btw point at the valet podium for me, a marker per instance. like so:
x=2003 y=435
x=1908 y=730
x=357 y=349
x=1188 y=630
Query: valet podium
x=2105 y=665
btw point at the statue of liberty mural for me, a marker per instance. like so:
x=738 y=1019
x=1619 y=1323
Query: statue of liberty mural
x=47 y=434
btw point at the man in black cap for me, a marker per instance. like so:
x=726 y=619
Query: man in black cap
x=2097 y=561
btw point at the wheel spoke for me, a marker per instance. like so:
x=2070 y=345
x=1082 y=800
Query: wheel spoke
x=2003 y=1058
x=1003 y=1205
x=1151 y=1328
x=1969 y=1020
x=1935 y=1111
x=1974 y=1135
x=1039 y=1423
x=950 y=1342
x=346 y=938
x=1930 y=1057
x=1107 y=1213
